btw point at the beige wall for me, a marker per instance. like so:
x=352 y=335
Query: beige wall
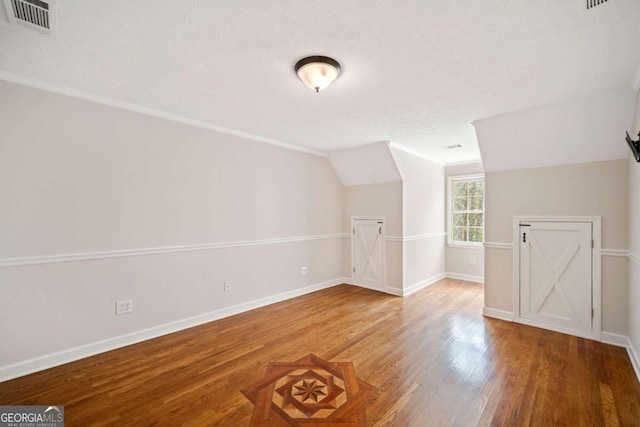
x=375 y=199
x=78 y=177
x=464 y=261
x=633 y=322
x=599 y=188
x=423 y=219
x=379 y=199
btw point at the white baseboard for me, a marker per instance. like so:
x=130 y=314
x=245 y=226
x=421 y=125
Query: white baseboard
x=393 y=291
x=467 y=277
x=498 y=314
x=614 y=339
x=397 y=291
x=423 y=284
x=633 y=355
x=26 y=367
x=29 y=366
x=623 y=341
x=386 y=289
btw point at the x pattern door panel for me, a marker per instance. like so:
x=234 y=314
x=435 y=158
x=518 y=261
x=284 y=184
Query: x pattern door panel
x=556 y=274
x=368 y=252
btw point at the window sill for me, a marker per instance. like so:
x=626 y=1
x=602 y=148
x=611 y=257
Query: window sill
x=463 y=245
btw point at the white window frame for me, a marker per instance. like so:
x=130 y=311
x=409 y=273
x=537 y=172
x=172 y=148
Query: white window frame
x=450 y=181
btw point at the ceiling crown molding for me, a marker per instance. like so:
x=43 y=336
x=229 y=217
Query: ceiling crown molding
x=74 y=93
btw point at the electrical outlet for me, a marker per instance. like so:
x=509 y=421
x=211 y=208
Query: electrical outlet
x=472 y=261
x=303 y=270
x=124 y=306
x=227 y=286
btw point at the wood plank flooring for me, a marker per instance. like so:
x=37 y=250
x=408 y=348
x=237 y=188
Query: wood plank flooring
x=432 y=358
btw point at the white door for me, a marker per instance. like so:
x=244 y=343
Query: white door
x=556 y=286
x=368 y=252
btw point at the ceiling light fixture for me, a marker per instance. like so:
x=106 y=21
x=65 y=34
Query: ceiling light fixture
x=317 y=72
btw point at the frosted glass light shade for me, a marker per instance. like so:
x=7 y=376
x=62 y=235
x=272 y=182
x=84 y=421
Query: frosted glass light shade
x=317 y=72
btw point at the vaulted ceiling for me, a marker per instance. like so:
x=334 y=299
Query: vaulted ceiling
x=415 y=73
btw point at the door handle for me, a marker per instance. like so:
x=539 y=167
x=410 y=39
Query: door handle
x=524 y=237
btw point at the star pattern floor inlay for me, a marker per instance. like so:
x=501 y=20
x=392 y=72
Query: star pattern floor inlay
x=309 y=392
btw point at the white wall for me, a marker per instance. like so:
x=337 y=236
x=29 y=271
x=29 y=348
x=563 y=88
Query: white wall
x=633 y=323
x=598 y=188
x=87 y=179
x=459 y=259
x=423 y=220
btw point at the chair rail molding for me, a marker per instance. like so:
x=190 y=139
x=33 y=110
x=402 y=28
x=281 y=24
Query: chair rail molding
x=85 y=256
x=498 y=245
x=416 y=237
x=622 y=253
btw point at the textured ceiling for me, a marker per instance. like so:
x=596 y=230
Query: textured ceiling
x=415 y=73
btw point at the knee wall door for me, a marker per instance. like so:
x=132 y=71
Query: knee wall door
x=367 y=256
x=556 y=276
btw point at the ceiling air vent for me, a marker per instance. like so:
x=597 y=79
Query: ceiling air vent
x=594 y=3
x=37 y=15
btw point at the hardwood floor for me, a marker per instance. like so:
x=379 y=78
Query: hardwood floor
x=431 y=358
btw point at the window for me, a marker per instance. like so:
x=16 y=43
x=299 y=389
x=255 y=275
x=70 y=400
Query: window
x=466 y=210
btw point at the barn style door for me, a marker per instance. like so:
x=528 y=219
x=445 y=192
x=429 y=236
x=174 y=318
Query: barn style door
x=556 y=276
x=367 y=242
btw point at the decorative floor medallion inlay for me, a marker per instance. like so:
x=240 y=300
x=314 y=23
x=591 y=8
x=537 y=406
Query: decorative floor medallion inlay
x=309 y=392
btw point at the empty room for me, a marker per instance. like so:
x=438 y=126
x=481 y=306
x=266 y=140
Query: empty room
x=336 y=213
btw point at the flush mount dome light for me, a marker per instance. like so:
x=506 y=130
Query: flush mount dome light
x=317 y=72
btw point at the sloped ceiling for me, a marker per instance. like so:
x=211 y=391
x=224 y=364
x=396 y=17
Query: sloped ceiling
x=416 y=73
x=370 y=164
x=586 y=129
